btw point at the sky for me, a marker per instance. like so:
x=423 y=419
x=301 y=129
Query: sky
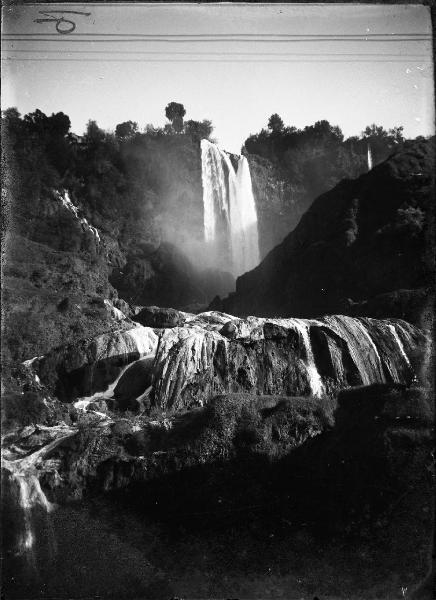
x=235 y=64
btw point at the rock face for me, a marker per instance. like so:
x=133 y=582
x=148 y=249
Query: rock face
x=279 y=203
x=166 y=276
x=55 y=273
x=133 y=382
x=83 y=368
x=65 y=252
x=266 y=435
x=215 y=353
x=363 y=240
x=162 y=318
x=282 y=356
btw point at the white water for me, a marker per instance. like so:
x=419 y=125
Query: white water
x=369 y=158
x=24 y=473
x=361 y=346
x=215 y=199
x=230 y=217
x=315 y=381
x=66 y=201
x=83 y=403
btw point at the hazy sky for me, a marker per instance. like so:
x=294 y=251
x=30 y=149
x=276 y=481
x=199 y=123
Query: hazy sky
x=236 y=76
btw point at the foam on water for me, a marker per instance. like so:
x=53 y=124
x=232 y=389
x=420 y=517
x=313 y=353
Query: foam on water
x=230 y=216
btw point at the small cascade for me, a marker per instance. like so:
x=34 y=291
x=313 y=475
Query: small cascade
x=361 y=347
x=67 y=203
x=369 y=158
x=107 y=394
x=230 y=218
x=315 y=381
x=399 y=343
x=23 y=473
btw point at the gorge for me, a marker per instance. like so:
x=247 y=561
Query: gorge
x=170 y=433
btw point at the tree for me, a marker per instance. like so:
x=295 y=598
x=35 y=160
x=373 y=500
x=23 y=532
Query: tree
x=175 y=112
x=36 y=121
x=374 y=131
x=10 y=115
x=178 y=124
x=397 y=134
x=153 y=131
x=12 y=124
x=382 y=142
x=126 y=130
x=93 y=133
x=323 y=132
x=275 y=123
x=59 y=124
x=199 y=130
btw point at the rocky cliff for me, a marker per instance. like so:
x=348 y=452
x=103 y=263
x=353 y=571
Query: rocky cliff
x=55 y=278
x=280 y=203
x=213 y=455
x=74 y=251
x=200 y=356
x=111 y=218
x=365 y=247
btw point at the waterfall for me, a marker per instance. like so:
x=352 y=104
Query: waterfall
x=315 y=381
x=369 y=158
x=292 y=357
x=215 y=199
x=24 y=474
x=243 y=222
x=230 y=218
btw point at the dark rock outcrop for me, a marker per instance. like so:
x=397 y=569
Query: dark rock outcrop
x=294 y=472
x=89 y=366
x=280 y=204
x=67 y=245
x=54 y=267
x=363 y=240
x=160 y=318
x=133 y=382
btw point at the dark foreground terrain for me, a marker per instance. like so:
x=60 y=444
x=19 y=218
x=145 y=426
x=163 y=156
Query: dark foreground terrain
x=250 y=497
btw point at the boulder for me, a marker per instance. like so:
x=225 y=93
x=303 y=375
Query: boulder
x=160 y=318
x=98 y=405
x=229 y=330
x=122 y=305
x=121 y=428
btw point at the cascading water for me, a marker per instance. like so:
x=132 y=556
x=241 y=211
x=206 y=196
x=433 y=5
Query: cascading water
x=315 y=381
x=230 y=218
x=24 y=475
x=215 y=199
x=369 y=158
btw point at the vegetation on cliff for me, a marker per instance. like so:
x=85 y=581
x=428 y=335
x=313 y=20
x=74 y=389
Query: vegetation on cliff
x=367 y=238
x=318 y=156
x=142 y=193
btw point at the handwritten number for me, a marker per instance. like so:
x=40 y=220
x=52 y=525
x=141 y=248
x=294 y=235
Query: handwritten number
x=63 y=26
